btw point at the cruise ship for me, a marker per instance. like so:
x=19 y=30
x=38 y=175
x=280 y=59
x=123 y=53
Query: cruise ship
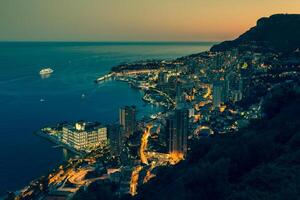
x=46 y=71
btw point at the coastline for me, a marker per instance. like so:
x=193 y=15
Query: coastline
x=128 y=76
x=60 y=144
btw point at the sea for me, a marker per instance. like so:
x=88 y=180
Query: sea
x=29 y=102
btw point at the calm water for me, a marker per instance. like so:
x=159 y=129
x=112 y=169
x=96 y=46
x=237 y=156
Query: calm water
x=24 y=156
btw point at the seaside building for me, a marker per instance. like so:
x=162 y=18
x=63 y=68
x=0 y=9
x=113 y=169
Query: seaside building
x=84 y=136
x=178 y=126
x=127 y=120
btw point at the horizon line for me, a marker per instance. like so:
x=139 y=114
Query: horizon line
x=108 y=41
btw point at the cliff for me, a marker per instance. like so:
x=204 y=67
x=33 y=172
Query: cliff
x=277 y=33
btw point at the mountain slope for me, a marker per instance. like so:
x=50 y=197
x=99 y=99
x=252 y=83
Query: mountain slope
x=260 y=162
x=278 y=33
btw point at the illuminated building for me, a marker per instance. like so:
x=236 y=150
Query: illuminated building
x=178 y=126
x=127 y=119
x=84 y=136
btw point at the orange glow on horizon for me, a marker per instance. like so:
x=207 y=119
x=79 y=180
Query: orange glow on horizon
x=135 y=20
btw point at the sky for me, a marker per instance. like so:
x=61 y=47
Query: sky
x=134 y=20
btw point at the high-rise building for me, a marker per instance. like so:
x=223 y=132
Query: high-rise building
x=162 y=78
x=233 y=87
x=179 y=93
x=217 y=94
x=127 y=119
x=115 y=138
x=178 y=127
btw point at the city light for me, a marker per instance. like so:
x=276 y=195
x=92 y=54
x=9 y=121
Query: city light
x=144 y=143
x=134 y=180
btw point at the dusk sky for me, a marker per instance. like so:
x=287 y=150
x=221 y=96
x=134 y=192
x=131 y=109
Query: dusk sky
x=134 y=20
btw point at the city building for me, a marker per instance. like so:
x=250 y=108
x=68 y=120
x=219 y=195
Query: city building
x=179 y=93
x=233 y=87
x=115 y=138
x=236 y=95
x=84 y=136
x=217 y=94
x=127 y=119
x=162 y=78
x=178 y=126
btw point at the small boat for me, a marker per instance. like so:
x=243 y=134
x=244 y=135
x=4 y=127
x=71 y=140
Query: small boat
x=42 y=100
x=46 y=71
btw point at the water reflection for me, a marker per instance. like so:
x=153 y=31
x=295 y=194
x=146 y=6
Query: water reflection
x=44 y=76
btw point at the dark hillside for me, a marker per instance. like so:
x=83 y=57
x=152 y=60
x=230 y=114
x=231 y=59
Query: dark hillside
x=260 y=162
x=278 y=33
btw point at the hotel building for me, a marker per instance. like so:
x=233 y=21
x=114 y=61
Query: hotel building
x=84 y=136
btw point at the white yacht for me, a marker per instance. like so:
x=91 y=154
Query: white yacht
x=46 y=71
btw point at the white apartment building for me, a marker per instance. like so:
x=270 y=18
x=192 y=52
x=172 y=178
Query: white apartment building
x=84 y=136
